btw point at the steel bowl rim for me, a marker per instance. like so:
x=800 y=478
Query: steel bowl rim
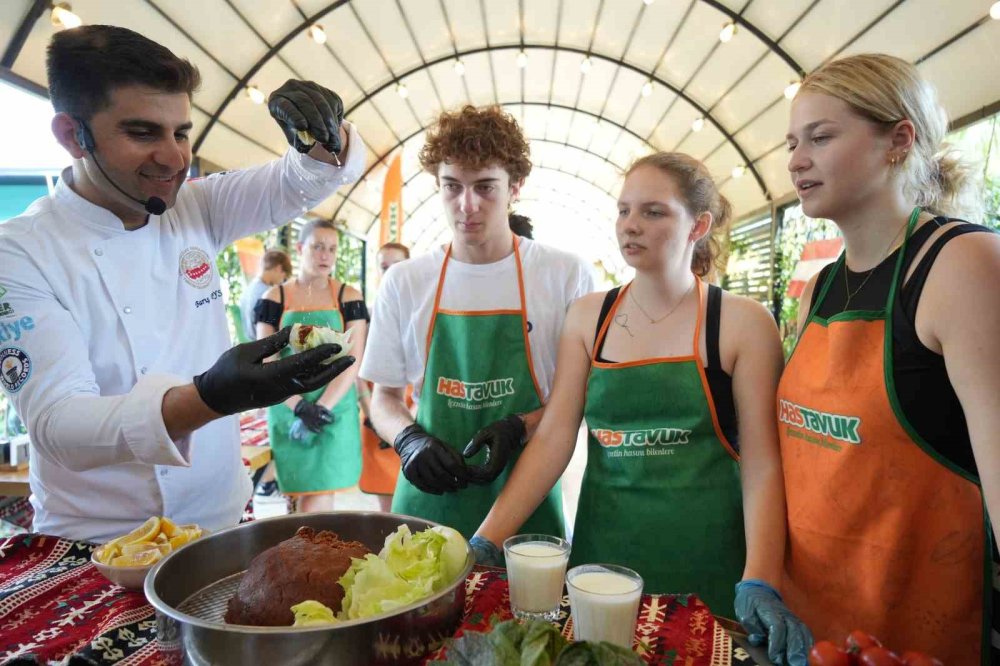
x=161 y=606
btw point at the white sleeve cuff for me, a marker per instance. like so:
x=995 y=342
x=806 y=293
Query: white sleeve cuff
x=143 y=426
x=349 y=171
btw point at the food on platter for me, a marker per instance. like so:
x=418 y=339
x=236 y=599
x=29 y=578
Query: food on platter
x=146 y=544
x=305 y=137
x=302 y=568
x=307 y=336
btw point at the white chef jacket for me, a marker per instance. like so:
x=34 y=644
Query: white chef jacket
x=108 y=320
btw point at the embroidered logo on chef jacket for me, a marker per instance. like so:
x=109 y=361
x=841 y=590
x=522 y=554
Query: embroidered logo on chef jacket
x=196 y=267
x=15 y=330
x=2 y=291
x=15 y=368
x=6 y=310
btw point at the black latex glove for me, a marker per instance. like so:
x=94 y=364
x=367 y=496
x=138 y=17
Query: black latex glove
x=428 y=463
x=240 y=380
x=314 y=416
x=501 y=439
x=309 y=107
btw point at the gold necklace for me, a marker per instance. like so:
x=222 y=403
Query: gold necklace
x=871 y=272
x=631 y=293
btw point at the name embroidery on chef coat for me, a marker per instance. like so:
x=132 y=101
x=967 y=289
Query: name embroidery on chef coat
x=196 y=267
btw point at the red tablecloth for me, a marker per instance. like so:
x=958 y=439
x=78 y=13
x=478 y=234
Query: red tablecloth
x=53 y=603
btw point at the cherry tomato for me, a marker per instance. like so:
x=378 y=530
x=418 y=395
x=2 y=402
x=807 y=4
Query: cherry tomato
x=859 y=640
x=878 y=656
x=826 y=653
x=913 y=658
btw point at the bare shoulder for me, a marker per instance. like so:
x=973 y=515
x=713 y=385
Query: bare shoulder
x=965 y=259
x=583 y=313
x=961 y=285
x=739 y=312
x=272 y=294
x=747 y=330
x=352 y=294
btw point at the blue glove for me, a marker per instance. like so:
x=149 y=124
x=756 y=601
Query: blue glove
x=486 y=552
x=300 y=432
x=764 y=615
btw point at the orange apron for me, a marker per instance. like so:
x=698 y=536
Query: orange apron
x=379 y=462
x=884 y=534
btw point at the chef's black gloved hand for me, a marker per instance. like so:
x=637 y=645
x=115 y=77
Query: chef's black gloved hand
x=314 y=415
x=240 y=380
x=305 y=106
x=428 y=463
x=501 y=439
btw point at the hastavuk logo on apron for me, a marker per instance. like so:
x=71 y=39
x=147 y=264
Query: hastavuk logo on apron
x=829 y=426
x=475 y=395
x=646 y=442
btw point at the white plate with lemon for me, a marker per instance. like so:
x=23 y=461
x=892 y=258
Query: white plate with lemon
x=127 y=559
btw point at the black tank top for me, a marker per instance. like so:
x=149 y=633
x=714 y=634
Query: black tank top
x=719 y=383
x=926 y=395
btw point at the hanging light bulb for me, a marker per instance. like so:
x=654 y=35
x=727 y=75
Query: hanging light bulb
x=402 y=90
x=995 y=11
x=317 y=33
x=738 y=171
x=647 y=88
x=63 y=16
x=792 y=88
x=459 y=67
x=522 y=59
x=586 y=65
x=647 y=2
x=728 y=31
x=256 y=95
x=697 y=124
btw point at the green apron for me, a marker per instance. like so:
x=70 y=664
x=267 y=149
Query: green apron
x=478 y=371
x=661 y=493
x=330 y=460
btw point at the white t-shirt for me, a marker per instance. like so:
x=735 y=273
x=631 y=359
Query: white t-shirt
x=396 y=350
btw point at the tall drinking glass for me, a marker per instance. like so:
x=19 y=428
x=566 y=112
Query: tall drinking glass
x=604 y=601
x=536 y=569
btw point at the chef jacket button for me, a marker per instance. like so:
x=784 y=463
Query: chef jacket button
x=127 y=310
x=143 y=370
x=99 y=252
x=163 y=472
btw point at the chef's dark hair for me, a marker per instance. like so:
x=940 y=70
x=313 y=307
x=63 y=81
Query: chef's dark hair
x=86 y=64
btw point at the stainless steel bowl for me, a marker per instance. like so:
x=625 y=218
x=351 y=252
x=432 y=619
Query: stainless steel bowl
x=189 y=590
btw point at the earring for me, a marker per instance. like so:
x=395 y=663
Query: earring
x=892 y=160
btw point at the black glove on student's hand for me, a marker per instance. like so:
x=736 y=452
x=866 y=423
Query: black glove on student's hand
x=501 y=439
x=428 y=463
x=314 y=416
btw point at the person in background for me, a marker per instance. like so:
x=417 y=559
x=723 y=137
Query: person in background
x=275 y=268
x=126 y=376
x=676 y=380
x=889 y=407
x=473 y=325
x=379 y=463
x=520 y=225
x=315 y=437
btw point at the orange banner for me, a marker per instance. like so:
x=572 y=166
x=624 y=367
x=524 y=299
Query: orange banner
x=392 y=204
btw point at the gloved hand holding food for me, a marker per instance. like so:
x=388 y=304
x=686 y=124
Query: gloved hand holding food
x=308 y=113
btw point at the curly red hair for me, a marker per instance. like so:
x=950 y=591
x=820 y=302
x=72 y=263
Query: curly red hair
x=476 y=138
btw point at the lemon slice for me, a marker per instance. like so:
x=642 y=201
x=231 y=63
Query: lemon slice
x=145 y=532
x=140 y=559
x=138 y=547
x=168 y=527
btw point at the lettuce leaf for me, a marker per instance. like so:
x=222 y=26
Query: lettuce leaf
x=312 y=614
x=320 y=335
x=408 y=568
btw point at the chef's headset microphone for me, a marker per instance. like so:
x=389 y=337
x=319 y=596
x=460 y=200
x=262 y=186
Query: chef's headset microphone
x=153 y=205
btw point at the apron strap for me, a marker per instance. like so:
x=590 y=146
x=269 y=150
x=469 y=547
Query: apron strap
x=607 y=313
x=697 y=326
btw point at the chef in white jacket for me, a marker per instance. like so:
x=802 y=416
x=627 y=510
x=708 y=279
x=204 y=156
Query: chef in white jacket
x=115 y=346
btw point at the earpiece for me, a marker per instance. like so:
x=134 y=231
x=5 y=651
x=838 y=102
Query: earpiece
x=83 y=136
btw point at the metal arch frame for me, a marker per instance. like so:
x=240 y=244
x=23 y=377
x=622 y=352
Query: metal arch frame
x=333 y=6
x=242 y=83
x=548 y=189
x=403 y=141
x=547 y=168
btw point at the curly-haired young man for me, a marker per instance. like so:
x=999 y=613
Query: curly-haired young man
x=474 y=325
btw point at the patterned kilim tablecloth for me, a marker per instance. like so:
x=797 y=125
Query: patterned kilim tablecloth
x=54 y=603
